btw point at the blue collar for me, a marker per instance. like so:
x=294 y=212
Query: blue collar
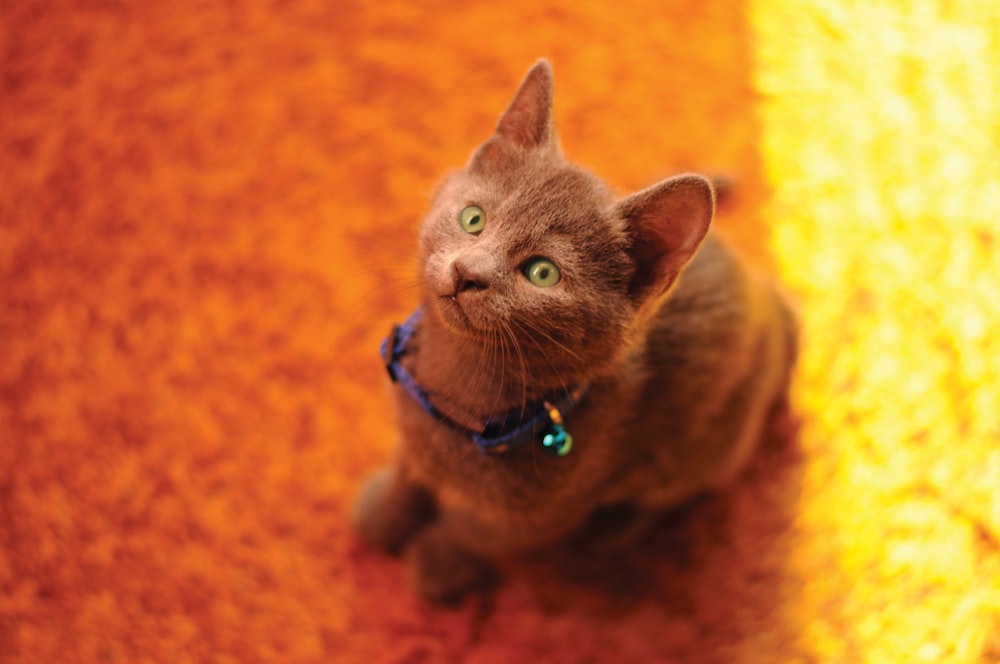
x=541 y=420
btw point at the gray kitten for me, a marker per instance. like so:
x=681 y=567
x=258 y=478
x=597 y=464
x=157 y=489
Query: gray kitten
x=571 y=352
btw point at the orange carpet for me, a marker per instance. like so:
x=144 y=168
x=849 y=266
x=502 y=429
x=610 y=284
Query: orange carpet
x=208 y=213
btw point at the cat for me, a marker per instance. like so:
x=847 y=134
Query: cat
x=571 y=352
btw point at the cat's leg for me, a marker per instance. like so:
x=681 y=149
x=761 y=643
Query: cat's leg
x=390 y=510
x=617 y=527
x=443 y=568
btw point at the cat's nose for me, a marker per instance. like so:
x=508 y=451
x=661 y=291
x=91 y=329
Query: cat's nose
x=467 y=276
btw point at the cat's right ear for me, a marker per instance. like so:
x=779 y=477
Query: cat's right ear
x=667 y=222
x=527 y=122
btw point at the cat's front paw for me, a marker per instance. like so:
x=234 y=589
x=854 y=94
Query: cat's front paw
x=442 y=572
x=388 y=512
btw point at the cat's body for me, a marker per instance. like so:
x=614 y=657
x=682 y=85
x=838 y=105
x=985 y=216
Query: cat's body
x=682 y=351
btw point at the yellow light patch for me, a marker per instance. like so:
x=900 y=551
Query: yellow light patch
x=882 y=145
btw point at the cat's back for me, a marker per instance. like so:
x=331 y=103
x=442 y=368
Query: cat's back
x=717 y=355
x=708 y=309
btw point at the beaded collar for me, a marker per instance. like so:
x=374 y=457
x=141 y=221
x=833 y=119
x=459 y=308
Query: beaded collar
x=541 y=421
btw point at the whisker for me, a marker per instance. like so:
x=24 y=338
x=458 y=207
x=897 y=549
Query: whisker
x=380 y=291
x=522 y=363
x=555 y=370
x=532 y=329
x=499 y=350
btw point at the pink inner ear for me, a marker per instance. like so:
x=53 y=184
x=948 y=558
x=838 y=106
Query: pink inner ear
x=527 y=121
x=669 y=220
x=525 y=124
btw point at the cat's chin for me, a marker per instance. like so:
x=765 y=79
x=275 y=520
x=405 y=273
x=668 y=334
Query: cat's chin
x=457 y=319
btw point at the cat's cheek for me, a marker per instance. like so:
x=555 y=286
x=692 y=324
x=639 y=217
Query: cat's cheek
x=544 y=301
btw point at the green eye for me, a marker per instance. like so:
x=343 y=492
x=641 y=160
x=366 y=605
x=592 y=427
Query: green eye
x=472 y=219
x=542 y=272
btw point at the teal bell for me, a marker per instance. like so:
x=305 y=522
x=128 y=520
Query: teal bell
x=558 y=441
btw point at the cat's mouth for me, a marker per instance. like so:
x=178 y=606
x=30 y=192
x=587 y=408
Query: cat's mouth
x=456 y=317
x=453 y=310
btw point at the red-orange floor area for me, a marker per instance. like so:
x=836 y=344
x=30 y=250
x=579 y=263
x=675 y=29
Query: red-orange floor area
x=208 y=216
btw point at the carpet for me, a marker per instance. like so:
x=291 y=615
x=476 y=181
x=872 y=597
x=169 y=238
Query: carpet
x=208 y=218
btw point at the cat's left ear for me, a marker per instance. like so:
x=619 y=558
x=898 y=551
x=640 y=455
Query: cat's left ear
x=668 y=221
x=527 y=122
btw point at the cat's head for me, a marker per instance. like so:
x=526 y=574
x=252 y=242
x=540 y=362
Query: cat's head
x=523 y=245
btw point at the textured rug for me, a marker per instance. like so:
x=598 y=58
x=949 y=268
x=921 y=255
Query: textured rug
x=207 y=223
